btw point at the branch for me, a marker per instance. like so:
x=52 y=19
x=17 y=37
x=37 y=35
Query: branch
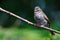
x=10 y=13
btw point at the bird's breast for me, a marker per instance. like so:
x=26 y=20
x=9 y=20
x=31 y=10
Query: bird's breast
x=40 y=18
x=39 y=15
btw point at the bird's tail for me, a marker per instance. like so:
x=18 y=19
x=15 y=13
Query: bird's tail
x=52 y=33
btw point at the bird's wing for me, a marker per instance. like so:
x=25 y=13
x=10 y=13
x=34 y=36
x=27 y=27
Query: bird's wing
x=46 y=17
x=43 y=14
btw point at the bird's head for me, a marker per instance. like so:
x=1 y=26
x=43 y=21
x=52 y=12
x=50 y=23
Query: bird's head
x=37 y=9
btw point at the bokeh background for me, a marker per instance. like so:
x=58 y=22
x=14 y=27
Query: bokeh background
x=12 y=28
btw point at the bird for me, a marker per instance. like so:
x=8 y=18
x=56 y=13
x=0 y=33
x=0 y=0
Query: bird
x=41 y=18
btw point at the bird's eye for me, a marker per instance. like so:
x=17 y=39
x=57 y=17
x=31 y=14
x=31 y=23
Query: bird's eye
x=37 y=9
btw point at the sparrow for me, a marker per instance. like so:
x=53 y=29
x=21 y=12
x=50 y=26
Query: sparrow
x=41 y=18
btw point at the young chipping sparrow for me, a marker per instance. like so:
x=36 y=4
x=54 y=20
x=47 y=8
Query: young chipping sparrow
x=41 y=18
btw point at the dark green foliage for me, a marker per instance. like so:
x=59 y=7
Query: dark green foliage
x=24 y=8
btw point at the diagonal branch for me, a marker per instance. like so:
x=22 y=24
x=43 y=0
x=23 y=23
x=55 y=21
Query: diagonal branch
x=10 y=13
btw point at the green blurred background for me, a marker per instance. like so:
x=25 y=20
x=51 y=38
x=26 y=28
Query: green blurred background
x=12 y=28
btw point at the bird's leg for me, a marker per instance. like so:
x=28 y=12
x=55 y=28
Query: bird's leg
x=38 y=24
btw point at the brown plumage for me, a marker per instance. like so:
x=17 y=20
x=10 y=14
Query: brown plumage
x=41 y=18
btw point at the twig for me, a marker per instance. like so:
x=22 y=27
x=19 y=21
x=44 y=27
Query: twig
x=10 y=13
